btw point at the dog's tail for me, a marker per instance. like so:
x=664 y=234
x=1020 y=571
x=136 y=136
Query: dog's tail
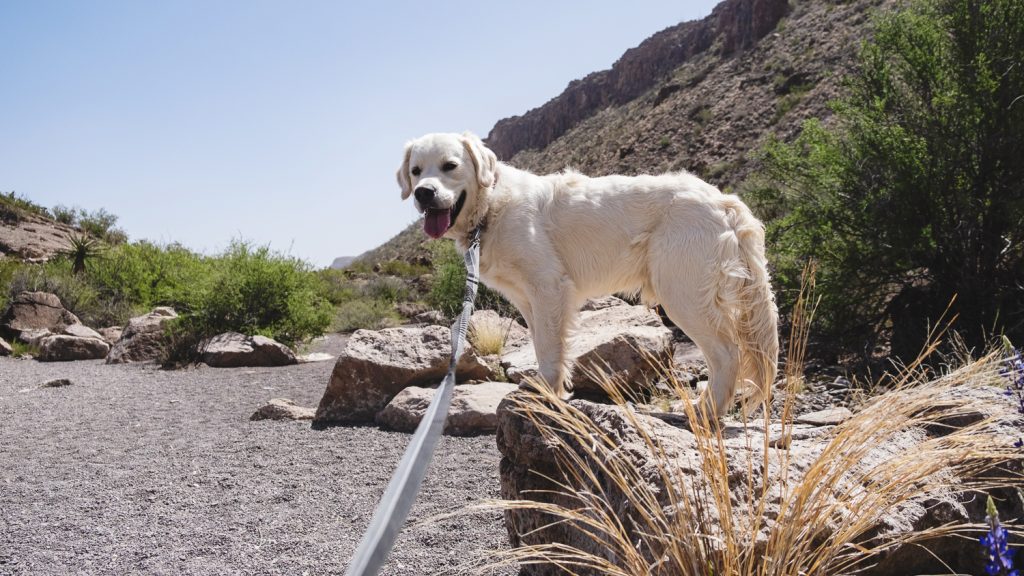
x=757 y=318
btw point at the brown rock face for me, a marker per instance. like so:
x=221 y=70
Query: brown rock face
x=143 y=339
x=36 y=311
x=734 y=24
x=377 y=365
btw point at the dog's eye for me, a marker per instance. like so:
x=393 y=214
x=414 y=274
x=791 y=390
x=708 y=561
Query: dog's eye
x=449 y=166
x=416 y=171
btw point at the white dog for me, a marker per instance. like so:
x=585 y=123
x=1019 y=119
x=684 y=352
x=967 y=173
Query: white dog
x=551 y=242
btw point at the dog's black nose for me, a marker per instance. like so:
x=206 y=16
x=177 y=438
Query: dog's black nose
x=424 y=194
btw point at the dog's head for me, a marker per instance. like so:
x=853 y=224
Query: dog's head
x=449 y=176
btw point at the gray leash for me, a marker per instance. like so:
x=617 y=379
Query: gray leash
x=394 y=505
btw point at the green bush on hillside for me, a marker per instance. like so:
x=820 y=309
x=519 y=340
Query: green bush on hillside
x=916 y=195
x=254 y=290
x=448 y=285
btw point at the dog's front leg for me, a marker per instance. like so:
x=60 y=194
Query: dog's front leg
x=552 y=316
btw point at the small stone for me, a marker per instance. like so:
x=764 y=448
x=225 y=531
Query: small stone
x=282 y=409
x=840 y=383
x=827 y=417
x=58 y=383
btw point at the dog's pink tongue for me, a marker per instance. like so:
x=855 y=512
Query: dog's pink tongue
x=436 y=222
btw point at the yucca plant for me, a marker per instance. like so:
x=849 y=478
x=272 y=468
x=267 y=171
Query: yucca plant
x=81 y=248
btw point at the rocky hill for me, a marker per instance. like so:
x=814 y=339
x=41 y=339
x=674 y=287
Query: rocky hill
x=28 y=234
x=701 y=96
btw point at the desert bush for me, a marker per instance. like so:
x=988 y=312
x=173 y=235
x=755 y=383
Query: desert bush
x=448 y=285
x=402 y=269
x=254 y=290
x=386 y=289
x=57 y=277
x=8 y=269
x=145 y=275
x=365 y=314
x=916 y=193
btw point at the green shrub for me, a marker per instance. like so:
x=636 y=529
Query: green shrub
x=448 y=285
x=916 y=195
x=257 y=291
x=56 y=277
x=402 y=269
x=8 y=269
x=365 y=314
x=387 y=289
x=339 y=288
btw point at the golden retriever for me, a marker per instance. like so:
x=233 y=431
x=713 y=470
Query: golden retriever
x=551 y=242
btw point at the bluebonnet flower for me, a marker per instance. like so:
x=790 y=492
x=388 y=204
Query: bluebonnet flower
x=1000 y=559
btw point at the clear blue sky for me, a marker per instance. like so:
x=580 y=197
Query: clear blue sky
x=277 y=122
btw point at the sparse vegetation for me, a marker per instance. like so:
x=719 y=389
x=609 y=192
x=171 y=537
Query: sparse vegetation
x=914 y=196
x=14 y=207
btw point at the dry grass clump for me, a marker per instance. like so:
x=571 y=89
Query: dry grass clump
x=488 y=334
x=824 y=522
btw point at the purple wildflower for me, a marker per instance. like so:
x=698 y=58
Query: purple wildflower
x=1000 y=559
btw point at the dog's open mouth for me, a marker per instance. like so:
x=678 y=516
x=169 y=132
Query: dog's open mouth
x=437 y=221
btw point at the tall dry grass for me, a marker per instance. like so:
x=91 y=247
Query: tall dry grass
x=824 y=521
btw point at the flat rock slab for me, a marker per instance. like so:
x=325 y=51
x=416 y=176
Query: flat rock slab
x=473 y=409
x=282 y=409
x=234 y=350
x=828 y=417
x=377 y=365
x=65 y=348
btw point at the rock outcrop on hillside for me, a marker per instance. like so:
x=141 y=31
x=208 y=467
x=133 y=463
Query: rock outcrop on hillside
x=700 y=96
x=733 y=25
x=32 y=237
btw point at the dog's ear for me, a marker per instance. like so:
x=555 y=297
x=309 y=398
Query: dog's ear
x=485 y=161
x=403 y=172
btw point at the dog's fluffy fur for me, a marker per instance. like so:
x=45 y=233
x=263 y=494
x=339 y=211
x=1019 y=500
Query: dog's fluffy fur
x=551 y=242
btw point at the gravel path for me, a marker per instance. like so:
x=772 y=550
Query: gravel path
x=135 y=470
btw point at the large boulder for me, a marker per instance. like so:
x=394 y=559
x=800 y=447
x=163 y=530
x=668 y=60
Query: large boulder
x=35 y=311
x=377 y=365
x=474 y=408
x=65 y=348
x=233 y=350
x=627 y=343
x=835 y=468
x=143 y=339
